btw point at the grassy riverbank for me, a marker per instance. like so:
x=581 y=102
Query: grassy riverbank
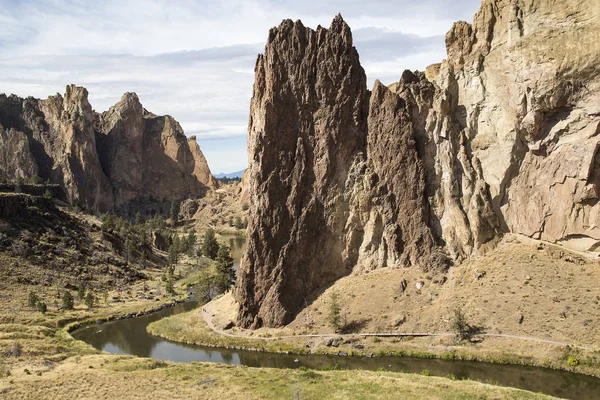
x=109 y=377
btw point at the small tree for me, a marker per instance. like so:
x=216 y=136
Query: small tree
x=174 y=213
x=334 y=311
x=169 y=287
x=238 y=222
x=32 y=300
x=225 y=271
x=460 y=326
x=108 y=221
x=47 y=194
x=81 y=291
x=138 y=219
x=67 y=300
x=90 y=299
x=210 y=246
x=190 y=243
x=42 y=307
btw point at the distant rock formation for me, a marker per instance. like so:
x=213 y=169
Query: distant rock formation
x=500 y=137
x=103 y=161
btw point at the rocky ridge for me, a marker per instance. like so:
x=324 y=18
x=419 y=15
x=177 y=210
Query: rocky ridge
x=112 y=160
x=500 y=137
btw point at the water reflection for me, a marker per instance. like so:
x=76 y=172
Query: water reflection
x=237 y=244
x=130 y=337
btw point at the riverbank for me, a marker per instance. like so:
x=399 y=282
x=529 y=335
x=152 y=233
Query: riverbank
x=192 y=328
x=109 y=377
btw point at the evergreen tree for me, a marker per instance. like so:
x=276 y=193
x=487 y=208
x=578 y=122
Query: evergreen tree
x=32 y=300
x=190 y=243
x=42 y=307
x=67 y=301
x=225 y=271
x=138 y=219
x=81 y=291
x=238 y=222
x=174 y=212
x=108 y=221
x=90 y=299
x=210 y=246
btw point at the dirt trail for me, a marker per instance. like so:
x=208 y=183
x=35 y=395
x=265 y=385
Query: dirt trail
x=208 y=313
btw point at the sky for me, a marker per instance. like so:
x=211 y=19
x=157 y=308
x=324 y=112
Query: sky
x=194 y=59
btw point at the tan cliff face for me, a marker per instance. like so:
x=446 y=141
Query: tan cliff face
x=103 y=161
x=500 y=137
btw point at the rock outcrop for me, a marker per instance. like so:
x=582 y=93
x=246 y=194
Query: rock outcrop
x=103 y=161
x=500 y=137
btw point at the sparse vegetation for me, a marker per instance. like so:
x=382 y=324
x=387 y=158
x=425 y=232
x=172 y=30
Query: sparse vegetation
x=459 y=325
x=225 y=272
x=67 y=301
x=334 y=312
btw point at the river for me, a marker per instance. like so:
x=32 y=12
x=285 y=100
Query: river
x=129 y=336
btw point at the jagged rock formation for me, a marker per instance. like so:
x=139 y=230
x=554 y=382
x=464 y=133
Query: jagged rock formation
x=103 y=161
x=502 y=136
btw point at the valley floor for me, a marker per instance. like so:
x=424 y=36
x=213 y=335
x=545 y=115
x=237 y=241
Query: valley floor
x=532 y=303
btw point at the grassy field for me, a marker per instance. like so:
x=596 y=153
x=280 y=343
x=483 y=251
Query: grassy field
x=118 y=377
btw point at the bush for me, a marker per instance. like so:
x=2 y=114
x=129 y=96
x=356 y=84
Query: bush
x=67 y=300
x=47 y=194
x=572 y=361
x=32 y=300
x=459 y=325
x=334 y=311
x=16 y=350
x=90 y=299
x=42 y=307
x=426 y=372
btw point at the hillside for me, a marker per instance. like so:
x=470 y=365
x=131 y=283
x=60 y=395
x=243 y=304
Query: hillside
x=501 y=137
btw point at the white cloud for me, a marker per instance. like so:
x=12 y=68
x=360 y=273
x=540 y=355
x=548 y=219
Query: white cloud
x=195 y=59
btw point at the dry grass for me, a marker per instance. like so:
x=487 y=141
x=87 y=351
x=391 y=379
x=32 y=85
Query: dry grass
x=117 y=377
x=516 y=289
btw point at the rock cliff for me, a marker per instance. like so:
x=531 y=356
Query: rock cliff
x=502 y=136
x=111 y=160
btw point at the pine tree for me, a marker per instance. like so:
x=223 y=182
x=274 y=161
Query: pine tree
x=174 y=212
x=67 y=301
x=210 y=246
x=225 y=271
x=90 y=299
x=32 y=300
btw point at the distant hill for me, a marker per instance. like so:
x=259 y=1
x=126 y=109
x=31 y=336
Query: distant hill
x=231 y=175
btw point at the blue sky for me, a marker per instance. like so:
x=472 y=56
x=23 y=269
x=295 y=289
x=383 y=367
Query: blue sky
x=194 y=60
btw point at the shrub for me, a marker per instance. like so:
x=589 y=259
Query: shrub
x=452 y=377
x=572 y=361
x=42 y=307
x=67 y=300
x=32 y=300
x=90 y=299
x=459 y=324
x=426 y=372
x=81 y=291
x=16 y=350
x=334 y=311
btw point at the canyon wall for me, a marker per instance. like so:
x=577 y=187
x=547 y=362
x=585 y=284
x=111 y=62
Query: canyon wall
x=502 y=136
x=105 y=161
